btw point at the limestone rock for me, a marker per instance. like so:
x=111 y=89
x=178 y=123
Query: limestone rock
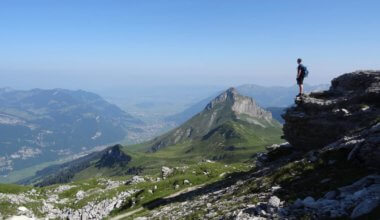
x=166 y=171
x=80 y=194
x=315 y=121
x=274 y=201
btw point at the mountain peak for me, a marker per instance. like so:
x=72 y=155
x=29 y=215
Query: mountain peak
x=232 y=91
x=239 y=104
x=227 y=108
x=230 y=94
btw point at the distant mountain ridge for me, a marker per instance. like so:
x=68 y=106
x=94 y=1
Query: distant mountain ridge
x=40 y=125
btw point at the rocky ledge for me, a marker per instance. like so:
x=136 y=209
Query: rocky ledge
x=350 y=105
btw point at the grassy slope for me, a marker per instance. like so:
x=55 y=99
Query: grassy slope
x=193 y=173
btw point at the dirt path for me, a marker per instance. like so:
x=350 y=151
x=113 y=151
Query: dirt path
x=127 y=214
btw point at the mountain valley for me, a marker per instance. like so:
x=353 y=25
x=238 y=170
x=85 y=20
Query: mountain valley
x=229 y=162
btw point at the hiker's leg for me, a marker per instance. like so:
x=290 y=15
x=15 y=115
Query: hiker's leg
x=301 y=88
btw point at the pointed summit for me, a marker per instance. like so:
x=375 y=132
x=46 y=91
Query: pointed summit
x=228 y=95
x=231 y=91
x=228 y=107
x=238 y=104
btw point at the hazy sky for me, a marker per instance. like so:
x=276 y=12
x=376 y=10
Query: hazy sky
x=92 y=43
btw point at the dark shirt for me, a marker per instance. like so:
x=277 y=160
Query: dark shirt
x=302 y=68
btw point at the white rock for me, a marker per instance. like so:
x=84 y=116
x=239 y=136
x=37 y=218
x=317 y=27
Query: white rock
x=137 y=179
x=275 y=188
x=22 y=209
x=274 y=201
x=166 y=171
x=141 y=218
x=63 y=188
x=21 y=217
x=186 y=182
x=80 y=194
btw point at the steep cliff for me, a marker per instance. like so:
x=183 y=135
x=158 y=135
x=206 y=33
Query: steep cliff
x=350 y=105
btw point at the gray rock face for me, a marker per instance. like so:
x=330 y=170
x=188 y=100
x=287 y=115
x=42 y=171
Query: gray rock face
x=240 y=104
x=351 y=104
x=364 y=146
x=365 y=207
x=92 y=210
x=361 y=197
x=135 y=180
x=166 y=171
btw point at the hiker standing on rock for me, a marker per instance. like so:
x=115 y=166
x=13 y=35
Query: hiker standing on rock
x=301 y=74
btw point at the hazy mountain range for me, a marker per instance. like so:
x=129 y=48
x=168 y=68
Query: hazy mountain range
x=43 y=125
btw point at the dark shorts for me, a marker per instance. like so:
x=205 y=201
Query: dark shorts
x=300 y=80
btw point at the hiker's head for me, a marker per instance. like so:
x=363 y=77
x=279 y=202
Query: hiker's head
x=299 y=60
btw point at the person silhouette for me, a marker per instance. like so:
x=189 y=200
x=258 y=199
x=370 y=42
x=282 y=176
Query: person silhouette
x=300 y=76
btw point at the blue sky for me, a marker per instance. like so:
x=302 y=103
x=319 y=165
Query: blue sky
x=91 y=43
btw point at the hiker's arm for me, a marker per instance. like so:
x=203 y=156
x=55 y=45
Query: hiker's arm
x=298 y=73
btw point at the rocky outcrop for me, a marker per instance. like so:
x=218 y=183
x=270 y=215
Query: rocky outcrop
x=355 y=200
x=350 y=105
x=364 y=146
x=112 y=157
x=166 y=172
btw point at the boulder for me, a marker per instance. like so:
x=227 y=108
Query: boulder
x=166 y=171
x=80 y=194
x=309 y=202
x=135 y=180
x=274 y=201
